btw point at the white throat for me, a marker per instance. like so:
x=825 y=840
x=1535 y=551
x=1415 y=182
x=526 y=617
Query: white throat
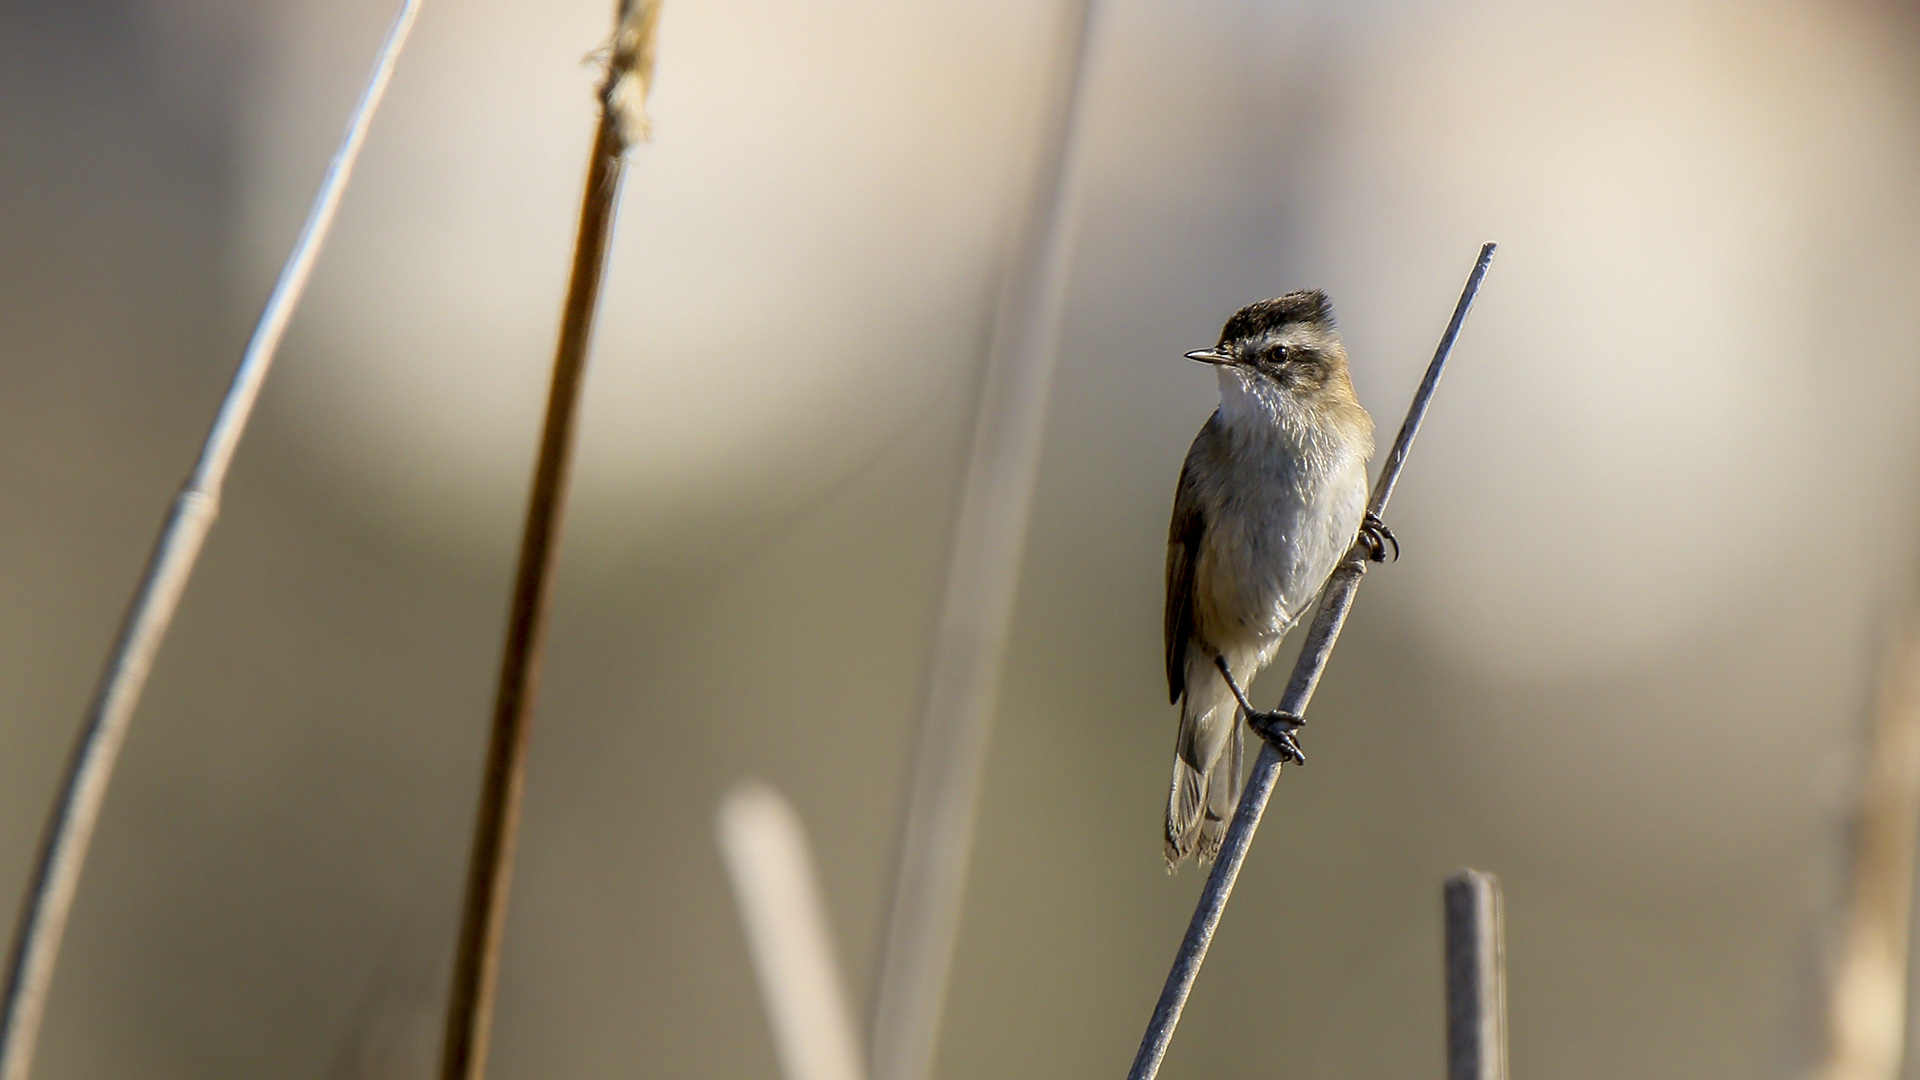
x=1249 y=403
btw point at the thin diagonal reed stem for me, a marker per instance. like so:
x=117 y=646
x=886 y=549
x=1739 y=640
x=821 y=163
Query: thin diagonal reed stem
x=69 y=832
x=1334 y=605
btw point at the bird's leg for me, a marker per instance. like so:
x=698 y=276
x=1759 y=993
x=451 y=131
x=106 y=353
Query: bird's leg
x=1275 y=727
x=1375 y=534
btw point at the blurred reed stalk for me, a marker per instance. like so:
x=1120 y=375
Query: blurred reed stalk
x=765 y=847
x=1335 y=601
x=1864 y=1023
x=976 y=609
x=1476 y=949
x=63 y=851
x=622 y=122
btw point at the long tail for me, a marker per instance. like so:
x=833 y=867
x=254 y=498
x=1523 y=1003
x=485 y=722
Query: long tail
x=1206 y=768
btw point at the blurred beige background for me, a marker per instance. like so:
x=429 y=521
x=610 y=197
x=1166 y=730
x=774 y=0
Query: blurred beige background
x=1661 y=513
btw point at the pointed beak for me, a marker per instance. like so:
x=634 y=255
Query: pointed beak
x=1210 y=356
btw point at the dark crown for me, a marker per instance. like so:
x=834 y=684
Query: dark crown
x=1305 y=306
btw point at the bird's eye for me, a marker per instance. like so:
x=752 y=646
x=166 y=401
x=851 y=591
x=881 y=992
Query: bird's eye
x=1281 y=354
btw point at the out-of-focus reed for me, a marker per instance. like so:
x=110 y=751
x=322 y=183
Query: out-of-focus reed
x=55 y=878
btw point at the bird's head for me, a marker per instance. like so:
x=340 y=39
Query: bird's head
x=1288 y=343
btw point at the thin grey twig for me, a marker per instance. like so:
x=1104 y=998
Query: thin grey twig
x=977 y=607
x=497 y=821
x=1335 y=601
x=1476 y=977
x=69 y=831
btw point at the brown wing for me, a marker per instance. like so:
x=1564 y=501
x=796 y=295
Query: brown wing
x=1183 y=551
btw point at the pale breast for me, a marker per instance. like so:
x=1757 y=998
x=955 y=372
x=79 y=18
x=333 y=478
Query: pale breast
x=1280 y=513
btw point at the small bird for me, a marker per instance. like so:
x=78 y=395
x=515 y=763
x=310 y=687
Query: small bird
x=1272 y=496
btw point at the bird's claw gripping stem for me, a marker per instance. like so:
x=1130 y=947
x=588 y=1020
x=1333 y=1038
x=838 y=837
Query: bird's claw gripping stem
x=1375 y=534
x=1275 y=727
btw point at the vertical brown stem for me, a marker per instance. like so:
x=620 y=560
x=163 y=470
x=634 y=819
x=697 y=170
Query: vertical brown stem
x=483 y=918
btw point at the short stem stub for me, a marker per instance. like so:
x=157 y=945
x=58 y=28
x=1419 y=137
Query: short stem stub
x=1476 y=977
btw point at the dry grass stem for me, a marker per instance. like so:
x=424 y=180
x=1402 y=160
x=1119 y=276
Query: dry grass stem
x=1335 y=601
x=496 y=827
x=1865 y=1022
x=765 y=847
x=976 y=608
x=630 y=57
x=56 y=875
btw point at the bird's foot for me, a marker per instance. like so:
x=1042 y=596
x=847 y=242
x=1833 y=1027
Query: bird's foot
x=1375 y=534
x=1277 y=729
